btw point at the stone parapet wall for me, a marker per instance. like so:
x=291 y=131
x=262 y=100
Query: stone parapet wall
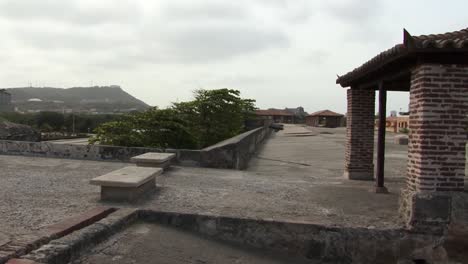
x=318 y=242
x=233 y=153
x=71 y=151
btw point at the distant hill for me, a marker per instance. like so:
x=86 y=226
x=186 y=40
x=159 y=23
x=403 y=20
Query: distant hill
x=98 y=98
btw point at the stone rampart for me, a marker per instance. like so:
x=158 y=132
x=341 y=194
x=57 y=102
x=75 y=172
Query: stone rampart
x=233 y=153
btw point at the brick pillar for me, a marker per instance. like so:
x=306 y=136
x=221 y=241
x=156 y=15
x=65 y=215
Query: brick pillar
x=436 y=149
x=359 y=160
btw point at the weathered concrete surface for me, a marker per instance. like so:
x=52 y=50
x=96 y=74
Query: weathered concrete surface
x=39 y=191
x=152 y=243
x=153 y=157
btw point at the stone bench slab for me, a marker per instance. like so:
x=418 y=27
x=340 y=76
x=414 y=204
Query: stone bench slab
x=127 y=177
x=153 y=159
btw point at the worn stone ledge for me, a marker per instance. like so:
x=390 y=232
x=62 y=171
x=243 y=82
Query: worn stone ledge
x=24 y=244
x=64 y=249
x=21 y=261
x=236 y=152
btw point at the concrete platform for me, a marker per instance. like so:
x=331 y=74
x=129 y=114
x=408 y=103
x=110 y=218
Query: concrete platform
x=153 y=159
x=127 y=177
x=127 y=184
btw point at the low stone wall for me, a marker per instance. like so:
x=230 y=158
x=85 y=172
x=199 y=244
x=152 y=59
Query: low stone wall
x=329 y=244
x=233 y=153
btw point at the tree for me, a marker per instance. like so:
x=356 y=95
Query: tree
x=54 y=120
x=221 y=114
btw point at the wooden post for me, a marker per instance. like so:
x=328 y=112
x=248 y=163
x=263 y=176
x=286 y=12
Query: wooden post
x=380 y=188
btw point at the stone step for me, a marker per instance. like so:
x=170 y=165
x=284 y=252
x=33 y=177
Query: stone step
x=154 y=159
x=127 y=184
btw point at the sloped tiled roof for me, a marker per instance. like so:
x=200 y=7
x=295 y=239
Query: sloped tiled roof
x=273 y=112
x=448 y=42
x=325 y=113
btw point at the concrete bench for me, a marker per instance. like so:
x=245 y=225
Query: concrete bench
x=127 y=184
x=153 y=159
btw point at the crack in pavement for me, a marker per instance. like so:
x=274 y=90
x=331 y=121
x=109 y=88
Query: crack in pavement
x=285 y=161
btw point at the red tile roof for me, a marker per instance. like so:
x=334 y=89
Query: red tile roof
x=325 y=113
x=456 y=41
x=273 y=112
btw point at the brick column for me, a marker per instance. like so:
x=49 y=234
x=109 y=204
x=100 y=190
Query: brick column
x=436 y=149
x=359 y=160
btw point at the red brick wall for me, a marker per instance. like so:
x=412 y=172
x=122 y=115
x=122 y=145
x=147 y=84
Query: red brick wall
x=438 y=123
x=311 y=120
x=359 y=160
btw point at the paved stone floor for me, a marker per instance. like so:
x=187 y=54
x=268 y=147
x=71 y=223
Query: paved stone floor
x=152 y=243
x=297 y=175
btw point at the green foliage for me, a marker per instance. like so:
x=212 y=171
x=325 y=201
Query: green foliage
x=213 y=116
x=220 y=115
x=404 y=130
x=53 y=121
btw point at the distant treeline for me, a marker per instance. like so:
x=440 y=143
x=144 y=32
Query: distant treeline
x=57 y=122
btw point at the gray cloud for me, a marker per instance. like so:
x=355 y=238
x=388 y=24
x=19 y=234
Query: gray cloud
x=318 y=57
x=214 y=10
x=206 y=43
x=355 y=11
x=201 y=32
x=70 y=11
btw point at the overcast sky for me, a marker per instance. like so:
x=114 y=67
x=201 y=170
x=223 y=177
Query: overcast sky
x=279 y=52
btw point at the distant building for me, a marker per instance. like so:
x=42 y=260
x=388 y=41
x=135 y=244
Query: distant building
x=325 y=118
x=299 y=111
x=395 y=124
x=278 y=116
x=5 y=101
